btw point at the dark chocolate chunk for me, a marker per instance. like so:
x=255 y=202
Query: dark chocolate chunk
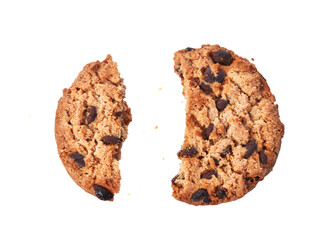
x=189 y=49
x=118 y=114
x=222 y=57
x=78 y=158
x=209 y=173
x=251 y=146
x=110 y=140
x=211 y=78
x=199 y=195
x=206 y=88
x=188 y=152
x=206 y=132
x=103 y=193
x=228 y=150
x=221 y=104
x=249 y=179
x=216 y=161
x=208 y=75
x=173 y=181
x=220 y=76
x=92 y=114
x=262 y=157
x=207 y=201
x=222 y=194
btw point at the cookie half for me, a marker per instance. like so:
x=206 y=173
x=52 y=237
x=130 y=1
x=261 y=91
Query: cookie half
x=233 y=130
x=91 y=124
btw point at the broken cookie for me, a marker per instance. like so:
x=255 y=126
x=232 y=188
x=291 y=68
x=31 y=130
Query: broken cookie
x=233 y=130
x=91 y=124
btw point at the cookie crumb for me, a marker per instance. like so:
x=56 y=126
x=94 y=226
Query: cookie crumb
x=156 y=127
x=252 y=59
x=159 y=89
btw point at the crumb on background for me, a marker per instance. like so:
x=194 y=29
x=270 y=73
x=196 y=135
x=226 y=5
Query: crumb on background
x=156 y=127
x=159 y=89
x=252 y=59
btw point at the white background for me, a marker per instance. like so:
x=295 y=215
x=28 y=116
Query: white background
x=44 y=44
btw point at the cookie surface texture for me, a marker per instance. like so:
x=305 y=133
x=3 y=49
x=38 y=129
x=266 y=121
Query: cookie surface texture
x=233 y=130
x=91 y=124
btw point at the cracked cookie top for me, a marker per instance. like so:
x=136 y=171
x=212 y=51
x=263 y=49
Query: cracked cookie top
x=233 y=131
x=90 y=127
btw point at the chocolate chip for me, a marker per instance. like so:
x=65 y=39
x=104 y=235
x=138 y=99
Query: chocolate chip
x=216 y=161
x=206 y=132
x=78 y=158
x=209 y=173
x=110 y=140
x=228 y=150
x=262 y=157
x=208 y=75
x=199 y=195
x=207 y=201
x=92 y=114
x=250 y=148
x=118 y=114
x=249 y=179
x=103 y=193
x=222 y=57
x=220 y=76
x=222 y=194
x=211 y=78
x=173 y=181
x=188 y=152
x=189 y=49
x=221 y=104
x=206 y=88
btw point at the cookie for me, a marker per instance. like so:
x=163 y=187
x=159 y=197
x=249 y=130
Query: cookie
x=233 y=130
x=91 y=124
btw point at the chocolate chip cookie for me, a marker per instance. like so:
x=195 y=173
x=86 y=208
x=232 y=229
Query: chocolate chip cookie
x=233 y=130
x=91 y=124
